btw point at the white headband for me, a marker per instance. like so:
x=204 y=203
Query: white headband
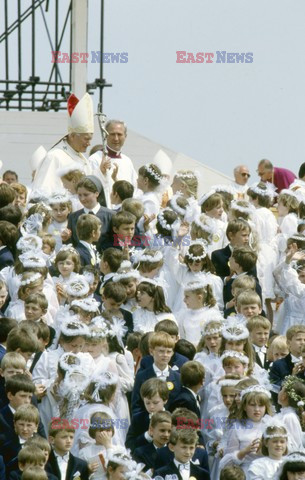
x=235 y=331
x=228 y=382
x=143 y=257
x=224 y=188
x=269 y=192
x=74 y=328
x=32 y=259
x=33 y=278
x=77 y=286
x=200 y=242
x=173 y=203
x=249 y=209
x=195 y=285
x=58 y=197
x=86 y=304
x=28 y=243
x=117 y=277
x=205 y=196
x=102 y=381
x=203 y=226
x=194 y=174
x=233 y=354
x=151 y=172
x=255 y=389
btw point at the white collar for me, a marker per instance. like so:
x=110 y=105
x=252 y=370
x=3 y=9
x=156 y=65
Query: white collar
x=94 y=209
x=262 y=349
x=188 y=464
x=161 y=373
x=11 y=409
x=64 y=458
x=295 y=359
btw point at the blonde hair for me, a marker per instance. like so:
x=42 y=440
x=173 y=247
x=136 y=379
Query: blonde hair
x=248 y=297
x=258 y=321
x=13 y=360
x=259 y=398
x=190 y=180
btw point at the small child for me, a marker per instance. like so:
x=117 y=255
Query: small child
x=123 y=225
x=192 y=376
x=182 y=443
x=261 y=196
x=70 y=176
x=110 y=263
x=239 y=284
x=48 y=248
x=121 y=189
x=129 y=279
x=88 y=229
x=278 y=348
x=274 y=447
x=293 y=466
x=11 y=364
x=152 y=306
x=248 y=302
x=61 y=208
x=200 y=306
x=31 y=283
x=29 y=456
x=154 y=393
x=35 y=473
x=67 y=262
x=8 y=240
x=208 y=349
x=113 y=296
x=149 y=179
x=21 y=195
x=160 y=426
x=212 y=206
x=232 y=472
x=20 y=340
x=161 y=347
x=288 y=206
x=259 y=328
x=61 y=460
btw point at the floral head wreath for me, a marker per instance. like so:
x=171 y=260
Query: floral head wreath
x=224 y=188
x=58 y=197
x=98 y=328
x=69 y=361
x=292 y=193
x=235 y=331
x=273 y=424
x=152 y=173
x=143 y=257
x=211 y=331
x=205 y=196
x=173 y=227
x=294 y=457
x=174 y=205
x=117 y=277
x=200 y=242
x=29 y=243
x=299 y=237
x=32 y=259
x=233 y=354
x=87 y=304
x=228 y=382
x=149 y=280
x=68 y=248
x=33 y=278
x=72 y=327
x=135 y=472
x=270 y=190
x=255 y=389
x=198 y=285
x=288 y=386
x=103 y=380
x=33 y=223
x=77 y=286
x=121 y=458
x=206 y=228
x=249 y=209
x=189 y=174
x=38 y=196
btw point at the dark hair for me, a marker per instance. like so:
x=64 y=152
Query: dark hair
x=114 y=258
x=10 y=172
x=133 y=340
x=301 y=173
x=291 y=466
x=19 y=382
x=123 y=188
x=86 y=225
x=168 y=326
x=100 y=421
x=12 y=214
x=237 y=225
x=154 y=179
x=232 y=472
x=144 y=343
x=263 y=200
x=116 y=291
x=197 y=251
x=186 y=348
x=154 y=386
x=245 y=257
x=157 y=294
x=23 y=339
x=6 y=325
x=121 y=218
x=113 y=342
x=170 y=217
x=93 y=184
x=192 y=373
x=7 y=194
x=186 y=417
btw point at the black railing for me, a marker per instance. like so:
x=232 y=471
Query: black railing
x=32 y=91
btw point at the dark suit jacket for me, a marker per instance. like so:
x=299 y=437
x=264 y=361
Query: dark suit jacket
x=138 y=426
x=146 y=454
x=177 y=359
x=220 y=259
x=259 y=362
x=2 y=352
x=187 y=400
x=74 y=465
x=280 y=369
x=165 y=456
x=105 y=215
x=137 y=404
x=7 y=421
x=17 y=475
x=6 y=258
x=195 y=471
x=84 y=253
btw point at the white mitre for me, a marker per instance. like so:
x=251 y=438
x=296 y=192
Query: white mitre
x=37 y=157
x=162 y=160
x=80 y=114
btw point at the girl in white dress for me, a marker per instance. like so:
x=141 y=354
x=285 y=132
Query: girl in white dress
x=274 y=447
x=67 y=262
x=149 y=179
x=293 y=467
x=288 y=205
x=208 y=351
x=261 y=195
x=31 y=283
x=197 y=266
x=129 y=278
x=61 y=206
x=244 y=437
x=200 y=306
x=212 y=205
x=152 y=307
x=292 y=400
x=101 y=430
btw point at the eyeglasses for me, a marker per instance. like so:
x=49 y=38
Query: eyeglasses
x=245 y=175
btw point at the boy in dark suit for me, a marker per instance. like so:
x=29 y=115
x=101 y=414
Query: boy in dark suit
x=281 y=368
x=61 y=462
x=183 y=443
x=29 y=457
x=160 y=426
x=237 y=232
x=154 y=393
x=242 y=262
x=88 y=229
x=8 y=240
x=259 y=328
x=177 y=360
x=161 y=346
x=192 y=378
x=113 y=296
x=6 y=325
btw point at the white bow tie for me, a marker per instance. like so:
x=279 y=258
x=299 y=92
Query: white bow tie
x=161 y=373
x=184 y=466
x=260 y=349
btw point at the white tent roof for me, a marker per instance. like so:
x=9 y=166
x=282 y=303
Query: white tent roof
x=22 y=132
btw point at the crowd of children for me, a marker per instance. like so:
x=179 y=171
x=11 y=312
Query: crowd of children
x=161 y=338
